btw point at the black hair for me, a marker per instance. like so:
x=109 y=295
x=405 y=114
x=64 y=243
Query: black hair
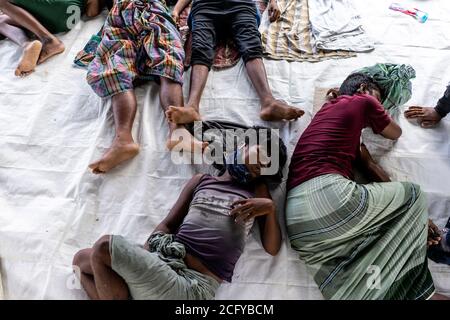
x=264 y=140
x=268 y=140
x=352 y=84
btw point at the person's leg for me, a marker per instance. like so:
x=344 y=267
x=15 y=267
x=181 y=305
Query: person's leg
x=94 y=7
x=31 y=49
x=171 y=96
x=82 y=268
x=123 y=147
x=203 y=43
x=50 y=44
x=110 y=286
x=248 y=40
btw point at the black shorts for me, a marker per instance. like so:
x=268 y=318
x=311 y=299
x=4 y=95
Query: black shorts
x=211 y=20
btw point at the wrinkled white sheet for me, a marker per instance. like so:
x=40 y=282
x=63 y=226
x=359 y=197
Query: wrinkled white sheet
x=52 y=126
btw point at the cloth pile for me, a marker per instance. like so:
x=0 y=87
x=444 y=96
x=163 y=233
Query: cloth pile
x=314 y=31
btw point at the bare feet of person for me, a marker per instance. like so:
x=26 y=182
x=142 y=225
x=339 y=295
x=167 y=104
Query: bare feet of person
x=29 y=58
x=427 y=117
x=276 y=110
x=182 y=140
x=50 y=48
x=118 y=153
x=182 y=115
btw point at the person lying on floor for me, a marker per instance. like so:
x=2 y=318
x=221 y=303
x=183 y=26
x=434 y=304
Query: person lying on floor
x=196 y=247
x=429 y=117
x=358 y=241
x=211 y=19
x=17 y=16
x=133 y=50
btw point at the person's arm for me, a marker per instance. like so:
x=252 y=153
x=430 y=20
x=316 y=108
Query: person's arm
x=178 y=9
x=380 y=121
x=392 y=131
x=263 y=209
x=372 y=169
x=443 y=105
x=175 y=218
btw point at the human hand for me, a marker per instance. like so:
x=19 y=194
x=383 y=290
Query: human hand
x=428 y=117
x=176 y=17
x=274 y=11
x=434 y=235
x=244 y=210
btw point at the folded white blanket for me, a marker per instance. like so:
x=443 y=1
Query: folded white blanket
x=336 y=25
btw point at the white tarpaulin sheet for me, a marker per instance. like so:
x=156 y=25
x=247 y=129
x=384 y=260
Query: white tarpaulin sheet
x=52 y=126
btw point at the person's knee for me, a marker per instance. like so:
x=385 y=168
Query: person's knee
x=100 y=250
x=202 y=55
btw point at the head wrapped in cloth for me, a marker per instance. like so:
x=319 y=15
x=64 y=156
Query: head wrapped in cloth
x=394 y=80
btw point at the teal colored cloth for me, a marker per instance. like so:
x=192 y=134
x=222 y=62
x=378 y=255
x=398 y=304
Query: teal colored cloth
x=55 y=15
x=395 y=82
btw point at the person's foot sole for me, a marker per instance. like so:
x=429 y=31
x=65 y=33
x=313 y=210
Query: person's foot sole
x=276 y=110
x=29 y=58
x=182 y=115
x=117 y=154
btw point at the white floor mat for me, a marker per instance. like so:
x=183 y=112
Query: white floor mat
x=52 y=126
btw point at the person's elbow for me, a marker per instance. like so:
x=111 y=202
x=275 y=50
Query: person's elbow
x=273 y=249
x=392 y=131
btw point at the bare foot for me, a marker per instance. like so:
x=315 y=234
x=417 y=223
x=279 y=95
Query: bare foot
x=182 y=115
x=276 y=110
x=182 y=140
x=51 y=47
x=118 y=153
x=29 y=58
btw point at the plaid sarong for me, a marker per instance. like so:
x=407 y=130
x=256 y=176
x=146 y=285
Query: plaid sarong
x=139 y=42
x=361 y=241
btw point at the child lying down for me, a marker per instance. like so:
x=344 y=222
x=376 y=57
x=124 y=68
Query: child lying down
x=196 y=246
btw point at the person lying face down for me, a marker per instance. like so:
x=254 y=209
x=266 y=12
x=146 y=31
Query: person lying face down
x=429 y=117
x=41 y=18
x=239 y=20
x=195 y=247
x=358 y=241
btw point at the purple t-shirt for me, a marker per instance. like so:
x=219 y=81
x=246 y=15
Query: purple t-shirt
x=209 y=232
x=331 y=142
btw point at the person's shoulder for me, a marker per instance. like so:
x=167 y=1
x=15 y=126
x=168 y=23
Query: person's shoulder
x=197 y=179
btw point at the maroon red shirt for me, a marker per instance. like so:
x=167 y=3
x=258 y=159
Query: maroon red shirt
x=331 y=142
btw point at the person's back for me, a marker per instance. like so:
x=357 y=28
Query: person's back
x=331 y=142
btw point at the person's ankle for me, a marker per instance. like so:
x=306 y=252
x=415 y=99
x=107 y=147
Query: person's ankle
x=267 y=100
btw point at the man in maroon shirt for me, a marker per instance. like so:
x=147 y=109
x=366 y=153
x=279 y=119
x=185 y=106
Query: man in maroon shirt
x=355 y=238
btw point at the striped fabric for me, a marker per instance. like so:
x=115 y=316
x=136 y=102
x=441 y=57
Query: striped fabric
x=289 y=38
x=361 y=241
x=139 y=41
